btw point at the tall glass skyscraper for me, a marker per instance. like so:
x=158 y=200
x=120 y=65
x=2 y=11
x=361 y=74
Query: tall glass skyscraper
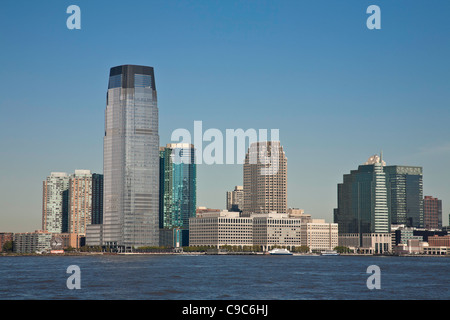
x=131 y=159
x=178 y=185
x=405 y=195
x=362 y=200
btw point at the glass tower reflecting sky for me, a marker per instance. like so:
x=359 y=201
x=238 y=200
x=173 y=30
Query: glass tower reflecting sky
x=405 y=195
x=362 y=201
x=177 y=186
x=131 y=159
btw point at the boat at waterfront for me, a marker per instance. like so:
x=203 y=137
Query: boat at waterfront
x=329 y=253
x=278 y=251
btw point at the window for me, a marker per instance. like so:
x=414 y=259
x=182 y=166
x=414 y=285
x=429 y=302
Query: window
x=142 y=81
x=115 y=81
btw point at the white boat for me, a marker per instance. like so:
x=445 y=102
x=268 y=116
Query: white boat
x=278 y=251
x=329 y=253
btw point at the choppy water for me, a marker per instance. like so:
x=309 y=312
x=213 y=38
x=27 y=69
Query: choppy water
x=212 y=277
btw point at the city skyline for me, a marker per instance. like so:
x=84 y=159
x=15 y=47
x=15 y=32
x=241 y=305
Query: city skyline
x=273 y=65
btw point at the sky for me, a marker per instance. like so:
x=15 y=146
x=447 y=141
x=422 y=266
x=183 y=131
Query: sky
x=337 y=91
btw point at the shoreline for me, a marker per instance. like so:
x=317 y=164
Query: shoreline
x=75 y=254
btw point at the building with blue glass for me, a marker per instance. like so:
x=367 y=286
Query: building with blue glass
x=362 y=200
x=177 y=198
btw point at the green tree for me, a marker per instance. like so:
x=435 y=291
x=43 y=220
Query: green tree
x=301 y=249
x=8 y=246
x=342 y=249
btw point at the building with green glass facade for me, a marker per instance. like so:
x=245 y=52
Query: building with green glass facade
x=177 y=199
x=405 y=195
x=362 y=201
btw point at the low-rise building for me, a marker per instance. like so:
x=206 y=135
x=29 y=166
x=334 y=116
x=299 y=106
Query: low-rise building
x=319 y=236
x=265 y=230
x=32 y=242
x=439 y=241
x=276 y=229
x=368 y=243
x=220 y=229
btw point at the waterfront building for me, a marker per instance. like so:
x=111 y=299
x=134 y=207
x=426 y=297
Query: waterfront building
x=264 y=230
x=349 y=240
x=221 y=228
x=405 y=195
x=131 y=160
x=55 y=202
x=32 y=242
x=265 y=178
x=319 y=236
x=235 y=199
x=276 y=229
x=367 y=243
x=432 y=213
x=439 y=251
x=362 y=200
x=376 y=243
x=177 y=188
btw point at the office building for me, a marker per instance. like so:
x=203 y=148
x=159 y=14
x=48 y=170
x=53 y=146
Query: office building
x=276 y=229
x=220 y=229
x=263 y=230
x=432 y=213
x=178 y=188
x=319 y=236
x=405 y=195
x=366 y=243
x=235 y=199
x=265 y=178
x=55 y=202
x=362 y=200
x=131 y=160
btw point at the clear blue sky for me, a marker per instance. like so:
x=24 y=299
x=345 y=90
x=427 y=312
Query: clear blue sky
x=337 y=91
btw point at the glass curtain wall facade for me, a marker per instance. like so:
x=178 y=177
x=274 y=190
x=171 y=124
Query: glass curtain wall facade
x=177 y=187
x=97 y=198
x=131 y=159
x=405 y=195
x=362 y=201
